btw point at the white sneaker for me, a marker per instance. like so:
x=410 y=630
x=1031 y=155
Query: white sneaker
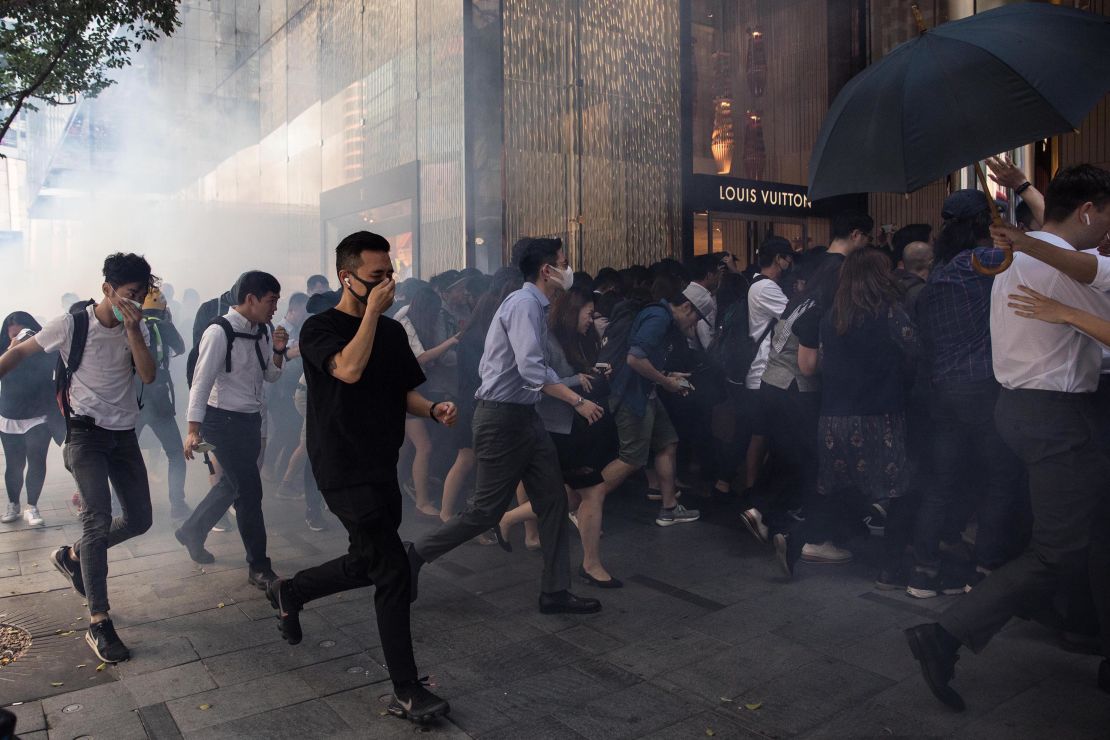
x=753 y=520
x=34 y=518
x=826 y=552
x=573 y=516
x=11 y=515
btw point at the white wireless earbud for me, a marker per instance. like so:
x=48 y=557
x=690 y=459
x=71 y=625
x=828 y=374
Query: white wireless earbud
x=347 y=281
x=1087 y=218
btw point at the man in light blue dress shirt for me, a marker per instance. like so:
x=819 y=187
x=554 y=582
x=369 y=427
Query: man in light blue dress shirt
x=510 y=441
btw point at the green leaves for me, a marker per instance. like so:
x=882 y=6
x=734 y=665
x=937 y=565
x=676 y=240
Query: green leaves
x=53 y=51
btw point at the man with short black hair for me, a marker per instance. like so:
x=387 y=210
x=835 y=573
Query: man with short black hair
x=510 y=441
x=317 y=284
x=102 y=345
x=361 y=380
x=1046 y=415
x=705 y=277
x=237 y=356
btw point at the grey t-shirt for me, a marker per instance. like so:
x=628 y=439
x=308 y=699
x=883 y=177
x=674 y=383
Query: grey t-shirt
x=782 y=362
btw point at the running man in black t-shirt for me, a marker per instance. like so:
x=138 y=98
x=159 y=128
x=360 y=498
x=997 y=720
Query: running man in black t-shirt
x=361 y=378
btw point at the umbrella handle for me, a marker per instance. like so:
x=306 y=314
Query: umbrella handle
x=996 y=219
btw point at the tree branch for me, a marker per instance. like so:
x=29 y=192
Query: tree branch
x=37 y=82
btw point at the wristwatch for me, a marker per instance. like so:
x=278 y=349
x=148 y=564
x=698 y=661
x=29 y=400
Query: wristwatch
x=282 y=352
x=579 y=402
x=1023 y=187
x=432 y=412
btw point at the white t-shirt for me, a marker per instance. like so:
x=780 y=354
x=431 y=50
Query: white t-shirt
x=766 y=302
x=103 y=386
x=1036 y=354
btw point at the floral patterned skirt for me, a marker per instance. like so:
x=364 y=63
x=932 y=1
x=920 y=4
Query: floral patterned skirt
x=864 y=452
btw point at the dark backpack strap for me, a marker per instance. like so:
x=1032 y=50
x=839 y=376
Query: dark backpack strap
x=229 y=334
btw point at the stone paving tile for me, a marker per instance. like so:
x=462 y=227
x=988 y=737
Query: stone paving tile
x=343 y=673
x=94 y=711
x=665 y=651
x=29 y=717
x=169 y=683
x=309 y=719
x=632 y=712
x=1043 y=711
x=277 y=657
x=796 y=701
x=240 y=700
x=541 y=728
x=720 y=723
x=733 y=671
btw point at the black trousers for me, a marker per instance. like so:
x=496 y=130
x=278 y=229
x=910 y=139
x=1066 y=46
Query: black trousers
x=26 y=452
x=511 y=445
x=1055 y=435
x=238 y=440
x=375 y=557
x=790 y=425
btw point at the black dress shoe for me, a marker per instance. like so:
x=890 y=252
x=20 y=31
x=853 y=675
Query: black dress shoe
x=415 y=563
x=288 y=608
x=937 y=661
x=196 y=549
x=564 y=602
x=611 y=583
x=1104 y=676
x=260 y=579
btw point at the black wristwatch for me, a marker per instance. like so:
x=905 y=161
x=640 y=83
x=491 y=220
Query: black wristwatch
x=282 y=353
x=432 y=412
x=1023 y=187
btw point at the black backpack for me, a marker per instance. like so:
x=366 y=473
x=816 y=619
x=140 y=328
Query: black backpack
x=614 y=345
x=733 y=349
x=63 y=371
x=232 y=335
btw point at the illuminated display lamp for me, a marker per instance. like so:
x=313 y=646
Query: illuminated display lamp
x=755 y=151
x=724 y=137
x=757 y=62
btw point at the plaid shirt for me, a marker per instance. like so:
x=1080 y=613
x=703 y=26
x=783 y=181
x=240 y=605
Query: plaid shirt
x=954 y=315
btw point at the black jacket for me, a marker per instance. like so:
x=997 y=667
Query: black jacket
x=28 y=390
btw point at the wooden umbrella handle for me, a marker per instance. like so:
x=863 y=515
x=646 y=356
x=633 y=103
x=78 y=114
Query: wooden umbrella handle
x=996 y=219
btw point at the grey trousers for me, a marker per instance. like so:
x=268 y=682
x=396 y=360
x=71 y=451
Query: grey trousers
x=511 y=445
x=1054 y=435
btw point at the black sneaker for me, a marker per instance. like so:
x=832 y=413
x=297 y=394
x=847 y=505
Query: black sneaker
x=104 y=641
x=315 y=521
x=196 y=549
x=61 y=560
x=279 y=593
x=876 y=520
x=415 y=703
x=260 y=579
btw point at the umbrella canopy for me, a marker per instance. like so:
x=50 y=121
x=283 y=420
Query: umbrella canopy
x=959 y=93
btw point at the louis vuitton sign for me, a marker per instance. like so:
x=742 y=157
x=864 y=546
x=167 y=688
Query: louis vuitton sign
x=730 y=194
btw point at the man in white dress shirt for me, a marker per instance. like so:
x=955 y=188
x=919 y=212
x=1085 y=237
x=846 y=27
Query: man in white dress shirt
x=237 y=355
x=1046 y=414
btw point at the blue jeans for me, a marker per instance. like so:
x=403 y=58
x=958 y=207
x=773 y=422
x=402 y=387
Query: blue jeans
x=238 y=441
x=96 y=456
x=968 y=456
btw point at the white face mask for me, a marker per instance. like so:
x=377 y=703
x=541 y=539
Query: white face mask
x=565 y=277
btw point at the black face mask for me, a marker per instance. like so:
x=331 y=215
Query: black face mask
x=369 y=287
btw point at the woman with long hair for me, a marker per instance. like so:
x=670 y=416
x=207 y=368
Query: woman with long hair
x=435 y=351
x=26 y=401
x=584 y=449
x=868 y=345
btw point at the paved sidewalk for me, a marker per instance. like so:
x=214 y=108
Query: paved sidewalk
x=706 y=639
